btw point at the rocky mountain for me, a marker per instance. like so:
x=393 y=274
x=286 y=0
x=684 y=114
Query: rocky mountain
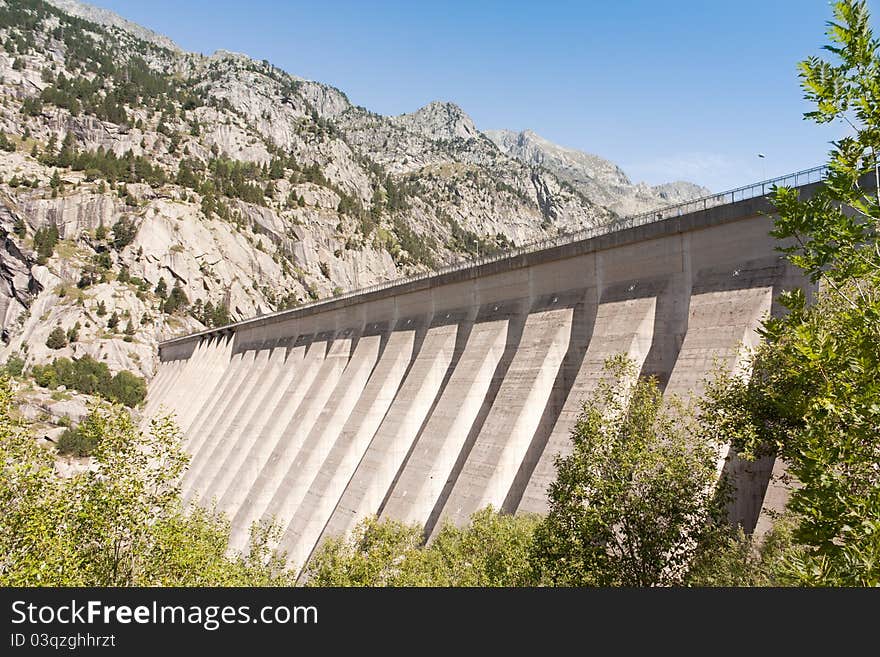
x=111 y=19
x=146 y=191
x=601 y=181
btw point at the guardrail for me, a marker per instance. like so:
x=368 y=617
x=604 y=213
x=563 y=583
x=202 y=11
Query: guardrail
x=796 y=179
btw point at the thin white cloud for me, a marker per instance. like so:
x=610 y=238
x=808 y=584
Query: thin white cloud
x=713 y=170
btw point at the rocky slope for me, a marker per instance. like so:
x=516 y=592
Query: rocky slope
x=601 y=181
x=147 y=192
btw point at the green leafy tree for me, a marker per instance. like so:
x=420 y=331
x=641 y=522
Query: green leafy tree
x=14 y=365
x=45 y=240
x=374 y=554
x=113 y=321
x=127 y=388
x=75 y=443
x=102 y=309
x=738 y=560
x=813 y=398
x=91 y=377
x=19 y=227
x=493 y=550
x=634 y=502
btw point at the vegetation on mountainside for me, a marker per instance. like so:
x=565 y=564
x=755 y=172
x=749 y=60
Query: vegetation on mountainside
x=132 y=88
x=110 y=125
x=91 y=377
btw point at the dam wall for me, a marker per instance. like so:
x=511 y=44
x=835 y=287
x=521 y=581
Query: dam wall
x=429 y=399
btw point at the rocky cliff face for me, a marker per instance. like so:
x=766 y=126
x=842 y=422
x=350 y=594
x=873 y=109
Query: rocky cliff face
x=147 y=192
x=601 y=181
x=19 y=277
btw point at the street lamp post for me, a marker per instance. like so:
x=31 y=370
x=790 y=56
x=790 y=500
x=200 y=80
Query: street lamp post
x=763 y=172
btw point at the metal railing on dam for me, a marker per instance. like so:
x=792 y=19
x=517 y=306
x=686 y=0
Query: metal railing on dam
x=758 y=189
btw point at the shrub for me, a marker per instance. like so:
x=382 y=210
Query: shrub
x=73 y=333
x=124 y=232
x=161 y=289
x=127 y=388
x=6 y=144
x=57 y=339
x=176 y=300
x=74 y=443
x=45 y=240
x=14 y=365
x=91 y=377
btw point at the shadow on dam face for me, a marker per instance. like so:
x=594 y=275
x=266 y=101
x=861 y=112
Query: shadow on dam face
x=514 y=314
x=584 y=306
x=463 y=319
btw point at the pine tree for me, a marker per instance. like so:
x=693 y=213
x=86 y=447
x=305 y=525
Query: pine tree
x=57 y=339
x=177 y=300
x=73 y=333
x=19 y=228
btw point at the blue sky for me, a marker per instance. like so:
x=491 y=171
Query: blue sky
x=669 y=90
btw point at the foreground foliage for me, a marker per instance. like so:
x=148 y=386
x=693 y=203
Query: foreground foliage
x=636 y=501
x=120 y=523
x=493 y=550
x=814 y=397
x=633 y=505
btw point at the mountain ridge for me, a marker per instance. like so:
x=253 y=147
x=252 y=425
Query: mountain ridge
x=594 y=176
x=639 y=197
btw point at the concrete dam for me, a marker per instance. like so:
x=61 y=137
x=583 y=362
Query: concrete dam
x=426 y=399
